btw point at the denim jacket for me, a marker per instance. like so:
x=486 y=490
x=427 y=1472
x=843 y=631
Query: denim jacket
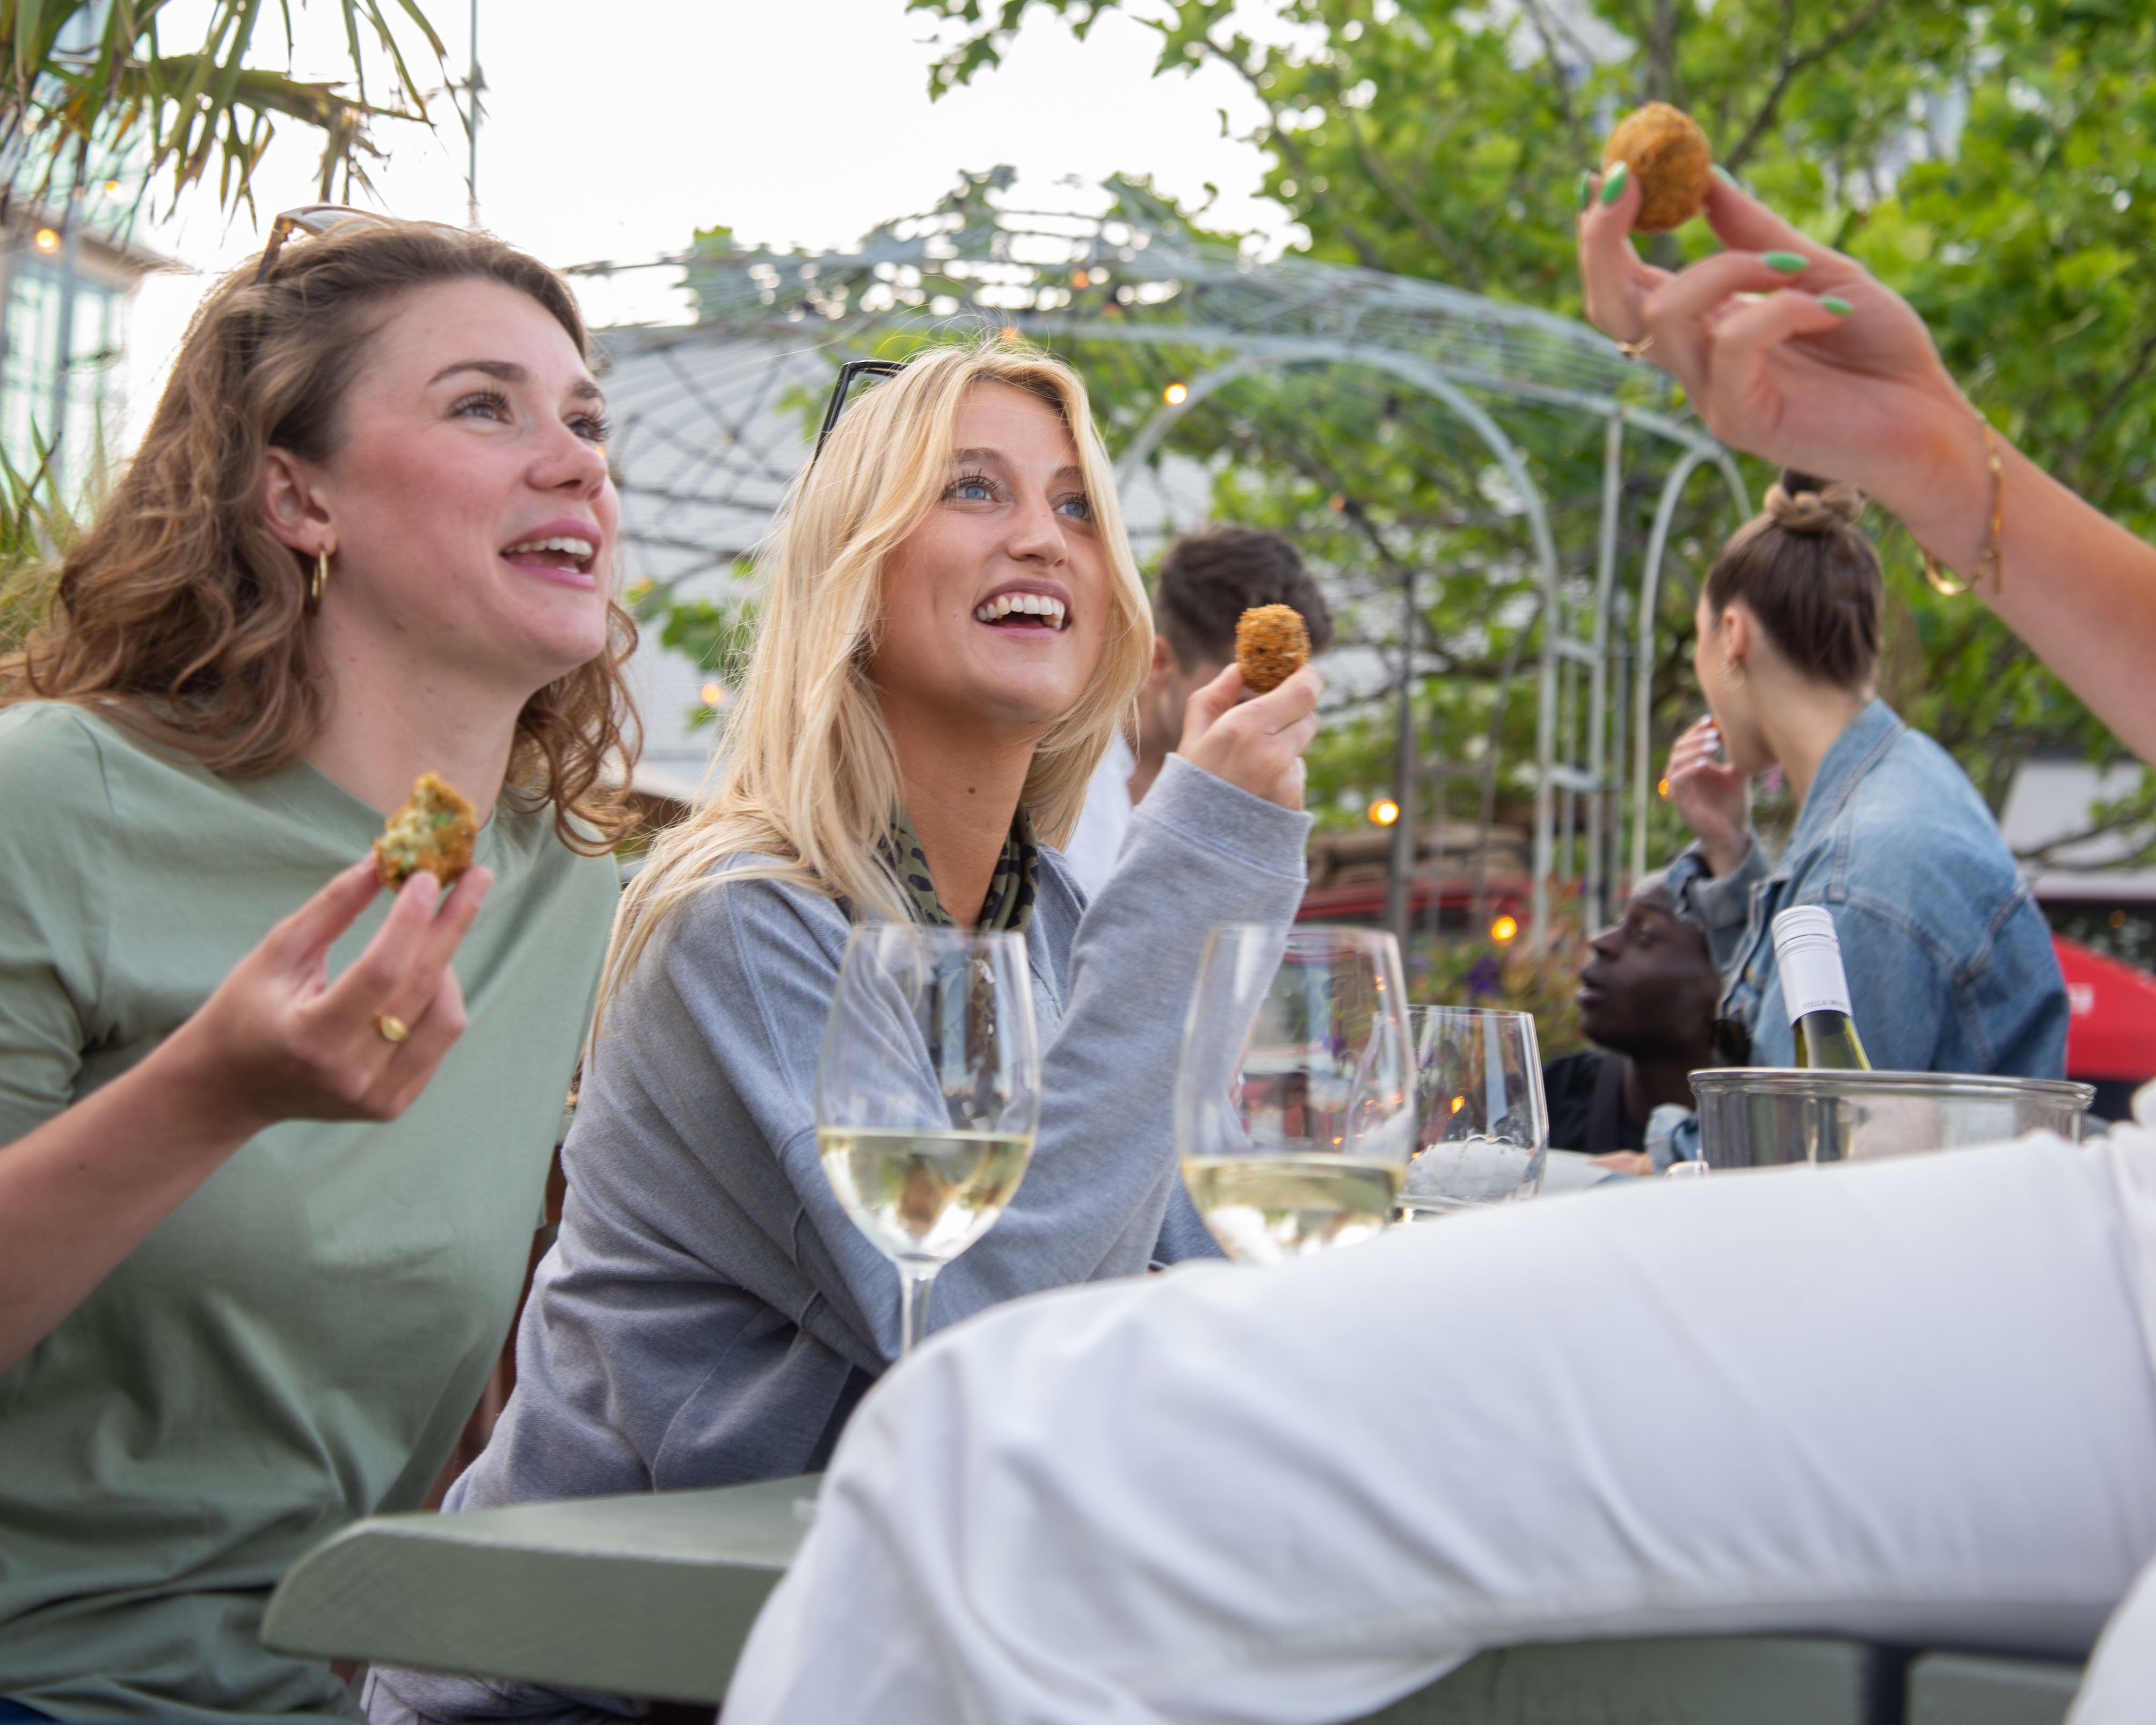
x=1951 y=968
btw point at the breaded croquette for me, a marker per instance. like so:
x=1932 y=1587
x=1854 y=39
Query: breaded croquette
x=1669 y=156
x=1272 y=645
x=433 y=831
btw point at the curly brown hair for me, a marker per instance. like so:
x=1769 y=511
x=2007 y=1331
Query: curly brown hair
x=181 y=615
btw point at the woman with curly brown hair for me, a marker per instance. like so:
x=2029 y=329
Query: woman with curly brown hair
x=249 y=1288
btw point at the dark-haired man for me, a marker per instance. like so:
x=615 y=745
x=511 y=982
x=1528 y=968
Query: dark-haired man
x=1206 y=581
x=1648 y=994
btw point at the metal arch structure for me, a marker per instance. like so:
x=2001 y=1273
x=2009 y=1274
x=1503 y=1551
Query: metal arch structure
x=1658 y=539
x=713 y=432
x=1422 y=374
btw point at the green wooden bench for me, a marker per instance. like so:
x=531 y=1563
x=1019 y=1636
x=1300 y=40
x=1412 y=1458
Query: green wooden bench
x=653 y=1595
x=1969 y=1689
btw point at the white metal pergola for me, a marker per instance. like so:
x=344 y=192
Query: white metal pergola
x=716 y=435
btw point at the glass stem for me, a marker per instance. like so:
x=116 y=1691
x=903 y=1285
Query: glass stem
x=914 y=1283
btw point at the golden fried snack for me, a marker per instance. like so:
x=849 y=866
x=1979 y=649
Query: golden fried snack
x=1272 y=645
x=1669 y=156
x=433 y=831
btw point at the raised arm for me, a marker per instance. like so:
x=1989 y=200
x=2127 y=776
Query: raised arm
x=1825 y=369
x=276 y=1041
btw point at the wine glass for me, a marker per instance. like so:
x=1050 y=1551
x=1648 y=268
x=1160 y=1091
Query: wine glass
x=1484 y=1131
x=927 y=1094
x=1295 y=1100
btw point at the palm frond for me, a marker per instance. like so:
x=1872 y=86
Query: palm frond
x=188 y=111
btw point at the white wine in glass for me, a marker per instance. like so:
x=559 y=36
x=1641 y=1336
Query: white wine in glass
x=1295 y=1099
x=922 y=1195
x=927 y=1094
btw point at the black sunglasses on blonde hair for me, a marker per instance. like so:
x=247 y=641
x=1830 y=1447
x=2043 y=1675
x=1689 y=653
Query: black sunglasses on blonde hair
x=848 y=372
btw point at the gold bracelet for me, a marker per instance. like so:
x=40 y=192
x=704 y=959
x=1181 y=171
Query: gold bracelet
x=1992 y=563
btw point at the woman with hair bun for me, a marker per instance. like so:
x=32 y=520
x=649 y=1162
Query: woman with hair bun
x=1950 y=965
x=257 y=1253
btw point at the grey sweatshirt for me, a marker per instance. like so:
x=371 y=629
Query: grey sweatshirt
x=710 y=1314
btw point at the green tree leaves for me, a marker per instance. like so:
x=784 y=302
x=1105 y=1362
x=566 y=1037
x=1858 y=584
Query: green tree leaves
x=1996 y=164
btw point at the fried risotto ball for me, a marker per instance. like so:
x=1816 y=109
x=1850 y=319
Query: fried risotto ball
x=433 y=831
x=1669 y=156
x=1272 y=645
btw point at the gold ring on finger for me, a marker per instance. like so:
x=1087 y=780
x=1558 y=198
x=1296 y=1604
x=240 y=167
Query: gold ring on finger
x=390 y=1027
x=1637 y=350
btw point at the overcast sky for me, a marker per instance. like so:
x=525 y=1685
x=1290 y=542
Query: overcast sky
x=615 y=131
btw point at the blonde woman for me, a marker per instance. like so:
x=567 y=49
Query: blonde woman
x=953 y=629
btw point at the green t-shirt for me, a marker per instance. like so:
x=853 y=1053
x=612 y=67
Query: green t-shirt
x=302 y=1341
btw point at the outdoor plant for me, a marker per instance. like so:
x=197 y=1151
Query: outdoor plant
x=35 y=531
x=168 y=90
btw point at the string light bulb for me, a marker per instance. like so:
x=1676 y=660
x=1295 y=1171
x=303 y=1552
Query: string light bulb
x=1384 y=811
x=713 y=694
x=1175 y=395
x=1504 y=930
x=48 y=240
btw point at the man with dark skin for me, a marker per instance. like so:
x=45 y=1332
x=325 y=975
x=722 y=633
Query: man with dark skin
x=1647 y=995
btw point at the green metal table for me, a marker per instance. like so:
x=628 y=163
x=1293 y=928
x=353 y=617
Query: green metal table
x=653 y=1595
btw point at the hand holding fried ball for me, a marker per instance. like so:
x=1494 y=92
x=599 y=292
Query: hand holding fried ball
x=1256 y=744
x=433 y=832
x=1272 y=645
x=278 y=1039
x=1667 y=154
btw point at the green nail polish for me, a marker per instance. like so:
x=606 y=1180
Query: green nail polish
x=1788 y=263
x=1586 y=189
x=1835 y=304
x=1613 y=188
x=1726 y=177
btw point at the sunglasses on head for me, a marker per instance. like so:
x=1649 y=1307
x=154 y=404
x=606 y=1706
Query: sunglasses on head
x=852 y=369
x=310 y=219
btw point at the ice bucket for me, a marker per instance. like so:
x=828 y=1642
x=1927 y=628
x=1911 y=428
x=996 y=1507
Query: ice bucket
x=1756 y=1116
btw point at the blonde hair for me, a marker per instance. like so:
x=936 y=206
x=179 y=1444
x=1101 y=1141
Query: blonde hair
x=808 y=777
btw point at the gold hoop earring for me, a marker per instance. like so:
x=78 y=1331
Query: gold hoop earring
x=1733 y=673
x=321 y=578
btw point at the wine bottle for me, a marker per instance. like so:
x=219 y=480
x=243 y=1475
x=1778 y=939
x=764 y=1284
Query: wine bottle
x=1816 y=990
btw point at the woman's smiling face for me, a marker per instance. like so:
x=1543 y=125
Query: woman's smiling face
x=995 y=607
x=468 y=499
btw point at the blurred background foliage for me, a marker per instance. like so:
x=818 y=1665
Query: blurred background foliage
x=1992 y=163
x=36 y=528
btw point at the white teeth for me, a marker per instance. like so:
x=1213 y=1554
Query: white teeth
x=575 y=547
x=1026 y=604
